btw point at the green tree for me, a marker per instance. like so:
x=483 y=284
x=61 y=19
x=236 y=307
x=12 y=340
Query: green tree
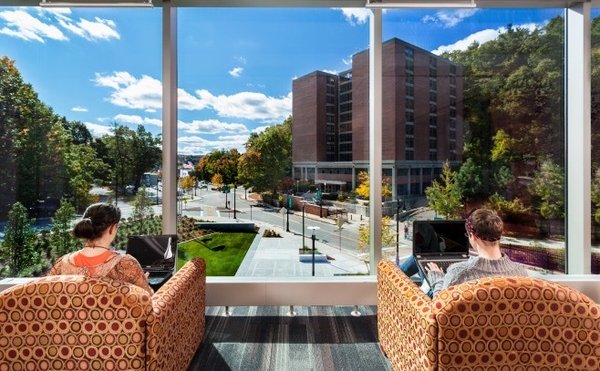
x=18 y=247
x=142 y=211
x=549 y=187
x=268 y=158
x=596 y=195
x=62 y=240
x=444 y=196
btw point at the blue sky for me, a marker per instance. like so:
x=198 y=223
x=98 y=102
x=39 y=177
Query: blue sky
x=236 y=66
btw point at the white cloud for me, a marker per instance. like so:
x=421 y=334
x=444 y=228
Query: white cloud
x=137 y=120
x=333 y=72
x=347 y=61
x=97 y=130
x=449 y=18
x=23 y=25
x=193 y=145
x=99 y=29
x=236 y=71
x=131 y=92
x=79 y=109
x=38 y=26
x=211 y=127
x=260 y=129
x=150 y=110
x=480 y=37
x=355 y=16
x=249 y=105
x=146 y=92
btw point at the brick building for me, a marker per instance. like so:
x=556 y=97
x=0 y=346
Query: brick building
x=422 y=120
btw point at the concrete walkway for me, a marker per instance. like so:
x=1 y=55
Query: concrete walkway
x=279 y=257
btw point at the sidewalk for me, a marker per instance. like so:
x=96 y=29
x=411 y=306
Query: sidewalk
x=279 y=257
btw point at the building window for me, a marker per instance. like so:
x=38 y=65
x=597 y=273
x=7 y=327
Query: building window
x=432 y=96
x=330 y=119
x=432 y=133
x=409 y=154
x=346 y=137
x=410 y=129
x=346 y=97
x=330 y=109
x=409 y=142
x=452 y=112
x=410 y=116
x=453 y=80
x=410 y=90
x=410 y=78
x=410 y=103
x=432 y=143
x=409 y=53
x=345 y=107
x=432 y=156
x=346 y=117
x=432 y=84
x=433 y=120
x=432 y=108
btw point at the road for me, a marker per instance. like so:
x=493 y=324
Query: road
x=209 y=204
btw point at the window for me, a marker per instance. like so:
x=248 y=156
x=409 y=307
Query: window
x=409 y=154
x=410 y=103
x=410 y=129
x=409 y=142
x=410 y=116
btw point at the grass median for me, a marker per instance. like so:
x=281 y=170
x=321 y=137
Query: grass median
x=223 y=252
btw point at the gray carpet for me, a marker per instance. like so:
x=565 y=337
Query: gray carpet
x=264 y=338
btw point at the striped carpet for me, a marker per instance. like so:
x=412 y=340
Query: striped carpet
x=265 y=338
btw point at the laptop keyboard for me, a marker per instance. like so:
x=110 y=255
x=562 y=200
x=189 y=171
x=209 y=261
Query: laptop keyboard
x=443 y=264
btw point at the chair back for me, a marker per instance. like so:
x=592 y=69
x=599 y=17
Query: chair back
x=73 y=323
x=511 y=322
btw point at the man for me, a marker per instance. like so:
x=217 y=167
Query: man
x=484 y=229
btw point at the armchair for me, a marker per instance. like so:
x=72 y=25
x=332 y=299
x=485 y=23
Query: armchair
x=79 y=323
x=491 y=323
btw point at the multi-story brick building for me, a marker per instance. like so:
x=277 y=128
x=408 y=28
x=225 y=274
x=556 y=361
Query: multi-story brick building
x=422 y=120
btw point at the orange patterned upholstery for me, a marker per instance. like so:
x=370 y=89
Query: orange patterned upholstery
x=82 y=323
x=176 y=324
x=492 y=323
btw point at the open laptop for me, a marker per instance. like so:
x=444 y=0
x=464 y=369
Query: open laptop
x=156 y=254
x=440 y=241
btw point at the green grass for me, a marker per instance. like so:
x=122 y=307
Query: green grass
x=223 y=252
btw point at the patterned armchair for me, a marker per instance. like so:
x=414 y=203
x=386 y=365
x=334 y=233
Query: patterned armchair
x=492 y=323
x=80 y=323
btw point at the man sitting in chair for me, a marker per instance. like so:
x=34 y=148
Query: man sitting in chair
x=484 y=229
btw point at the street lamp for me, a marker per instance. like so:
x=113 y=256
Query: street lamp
x=303 y=205
x=234 y=187
x=313 y=228
x=397 y=232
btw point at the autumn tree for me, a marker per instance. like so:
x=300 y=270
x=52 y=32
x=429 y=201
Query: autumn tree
x=224 y=162
x=363 y=190
x=217 y=180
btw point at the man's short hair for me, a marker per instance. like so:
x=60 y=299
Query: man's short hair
x=485 y=224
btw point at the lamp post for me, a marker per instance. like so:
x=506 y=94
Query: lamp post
x=303 y=205
x=234 y=187
x=313 y=228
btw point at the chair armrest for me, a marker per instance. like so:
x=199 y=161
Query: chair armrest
x=176 y=325
x=405 y=323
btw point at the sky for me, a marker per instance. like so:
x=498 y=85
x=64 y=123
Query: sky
x=236 y=66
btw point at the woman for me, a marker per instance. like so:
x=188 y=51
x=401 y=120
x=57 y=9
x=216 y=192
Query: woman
x=98 y=229
x=484 y=229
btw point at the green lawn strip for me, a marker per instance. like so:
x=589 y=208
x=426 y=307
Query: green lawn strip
x=223 y=252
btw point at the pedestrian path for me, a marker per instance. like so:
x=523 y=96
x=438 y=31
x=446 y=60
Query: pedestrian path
x=279 y=257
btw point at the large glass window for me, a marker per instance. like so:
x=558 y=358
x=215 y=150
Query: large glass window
x=497 y=78
x=80 y=122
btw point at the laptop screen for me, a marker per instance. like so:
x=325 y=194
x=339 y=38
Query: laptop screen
x=439 y=237
x=153 y=252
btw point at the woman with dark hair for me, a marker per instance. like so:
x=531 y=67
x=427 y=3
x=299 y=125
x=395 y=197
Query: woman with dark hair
x=484 y=229
x=98 y=229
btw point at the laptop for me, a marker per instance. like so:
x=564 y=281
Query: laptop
x=440 y=241
x=156 y=254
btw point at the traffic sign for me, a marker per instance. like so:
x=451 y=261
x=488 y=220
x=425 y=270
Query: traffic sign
x=225 y=188
x=290 y=202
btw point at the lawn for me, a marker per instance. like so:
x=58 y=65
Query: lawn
x=223 y=252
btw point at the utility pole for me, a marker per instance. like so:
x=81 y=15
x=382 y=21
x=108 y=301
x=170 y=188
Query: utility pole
x=234 y=187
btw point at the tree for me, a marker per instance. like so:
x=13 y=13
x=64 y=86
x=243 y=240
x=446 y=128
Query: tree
x=363 y=190
x=18 y=247
x=443 y=195
x=62 y=240
x=142 y=211
x=388 y=234
x=596 y=195
x=268 y=158
x=549 y=187
x=224 y=162
x=187 y=182
x=217 y=180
